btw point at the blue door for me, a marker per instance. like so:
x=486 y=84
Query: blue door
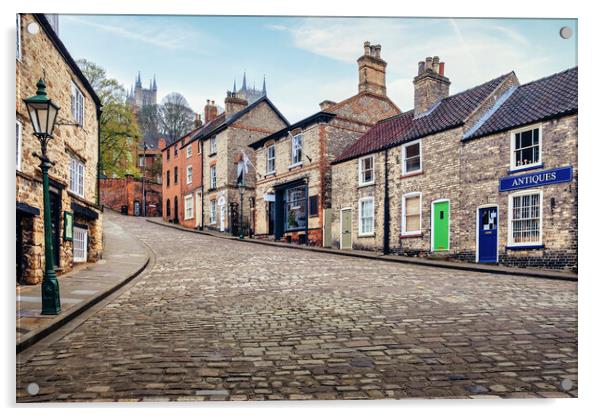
x=487 y=235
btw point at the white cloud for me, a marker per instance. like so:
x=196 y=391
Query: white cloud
x=474 y=50
x=164 y=36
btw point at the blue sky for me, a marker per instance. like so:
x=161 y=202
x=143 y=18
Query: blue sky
x=308 y=60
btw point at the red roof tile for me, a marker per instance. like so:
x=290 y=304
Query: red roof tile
x=448 y=113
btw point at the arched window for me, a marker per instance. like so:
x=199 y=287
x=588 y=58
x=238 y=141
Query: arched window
x=168 y=209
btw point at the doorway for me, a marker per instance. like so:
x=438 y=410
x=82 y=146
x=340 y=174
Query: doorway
x=440 y=223
x=346 y=242
x=487 y=234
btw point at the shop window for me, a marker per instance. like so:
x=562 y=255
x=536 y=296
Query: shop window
x=313 y=206
x=411 y=155
x=526 y=148
x=271 y=159
x=188 y=208
x=411 y=214
x=76 y=176
x=366 y=170
x=80 y=245
x=295 y=208
x=366 y=216
x=525 y=210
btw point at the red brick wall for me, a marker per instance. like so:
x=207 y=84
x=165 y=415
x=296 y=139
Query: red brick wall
x=117 y=192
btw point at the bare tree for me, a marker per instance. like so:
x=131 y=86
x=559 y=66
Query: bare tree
x=175 y=116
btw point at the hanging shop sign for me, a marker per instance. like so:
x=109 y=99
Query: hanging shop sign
x=542 y=178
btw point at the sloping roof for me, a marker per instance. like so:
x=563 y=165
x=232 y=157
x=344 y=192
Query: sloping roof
x=43 y=21
x=448 y=113
x=314 y=118
x=222 y=121
x=538 y=100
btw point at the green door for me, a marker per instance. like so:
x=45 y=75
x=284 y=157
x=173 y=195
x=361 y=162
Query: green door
x=346 y=228
x=441 y=226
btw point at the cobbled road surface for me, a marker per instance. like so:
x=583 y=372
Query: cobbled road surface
x=216 y=319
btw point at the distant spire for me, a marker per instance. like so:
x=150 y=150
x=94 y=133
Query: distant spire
x=244 y=81
x=138 y=81
x=264 y=90
x=154 y=82
x=234 y=87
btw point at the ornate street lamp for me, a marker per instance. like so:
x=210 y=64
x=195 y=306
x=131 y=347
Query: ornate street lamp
x=42 y=113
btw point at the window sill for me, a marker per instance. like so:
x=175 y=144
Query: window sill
x=409 y=175
x=366 y=235
x=526 y=168
x=417 y=235
x=295 y=165
x=363 y=185
x=212 y=154
x=270 y=174
x=211 y=189
x=529 y=247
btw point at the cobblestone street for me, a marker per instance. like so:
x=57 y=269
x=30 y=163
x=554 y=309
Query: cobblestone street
x=224 y=320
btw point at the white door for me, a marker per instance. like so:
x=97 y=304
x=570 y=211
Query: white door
x=80 y=245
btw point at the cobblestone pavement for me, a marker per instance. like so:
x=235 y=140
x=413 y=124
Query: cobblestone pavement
x=225 y=320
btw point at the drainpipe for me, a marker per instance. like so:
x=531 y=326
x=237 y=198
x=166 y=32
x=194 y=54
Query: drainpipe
x=99 y=160
x=386 y=247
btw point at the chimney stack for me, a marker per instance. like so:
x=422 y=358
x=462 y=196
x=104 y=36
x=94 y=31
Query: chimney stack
x=162 y=143
x=430 y=85
x=234 y=104
x=197 y=120
x=210 y=111
x=372 y=70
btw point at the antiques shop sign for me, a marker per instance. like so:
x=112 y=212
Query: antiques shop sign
x=529 y=180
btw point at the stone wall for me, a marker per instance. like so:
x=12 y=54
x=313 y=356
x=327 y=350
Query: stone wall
x=40 y=56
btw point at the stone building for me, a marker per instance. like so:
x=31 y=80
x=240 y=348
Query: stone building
x=433 y=181
x=76 y=215
x=138 y=96
x=208 y=160
x=293 y=189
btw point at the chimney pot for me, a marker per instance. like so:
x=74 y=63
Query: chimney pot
x=442 y=68
x=420 y=67
x=366 y=48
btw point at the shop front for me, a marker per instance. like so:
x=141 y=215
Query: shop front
x=290 y=212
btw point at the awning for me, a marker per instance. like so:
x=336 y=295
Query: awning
x=85 y=212
x=27 y=209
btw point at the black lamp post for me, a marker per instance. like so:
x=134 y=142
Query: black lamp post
x=42 y=113
x=241 y=189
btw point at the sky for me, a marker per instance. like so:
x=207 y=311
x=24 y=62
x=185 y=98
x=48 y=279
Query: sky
x=306 y=60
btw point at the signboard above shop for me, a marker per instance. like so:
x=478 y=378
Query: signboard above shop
x=541 y=178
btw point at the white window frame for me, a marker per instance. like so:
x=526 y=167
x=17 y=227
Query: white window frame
x=212 y=145
x=189 y=174
x=539 y=163
x=269 y=159
x=19 y=155
x=360 y=233
x=189 y=151
x=141 y=161
x=188 y=206
x=511 y=196
x=212 y=211
x=403 y=157
x=360 y=170
x=77 y=104
x=213 y=177
x=77 y=173
x=403 y=213
x=19 y=39
x=80 y=254
x=297 y=143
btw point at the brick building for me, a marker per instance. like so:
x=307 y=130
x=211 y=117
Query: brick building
x=74 y=149
x=439 y=180
x=293 y=190
x=211 y=200
x=125 y=195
